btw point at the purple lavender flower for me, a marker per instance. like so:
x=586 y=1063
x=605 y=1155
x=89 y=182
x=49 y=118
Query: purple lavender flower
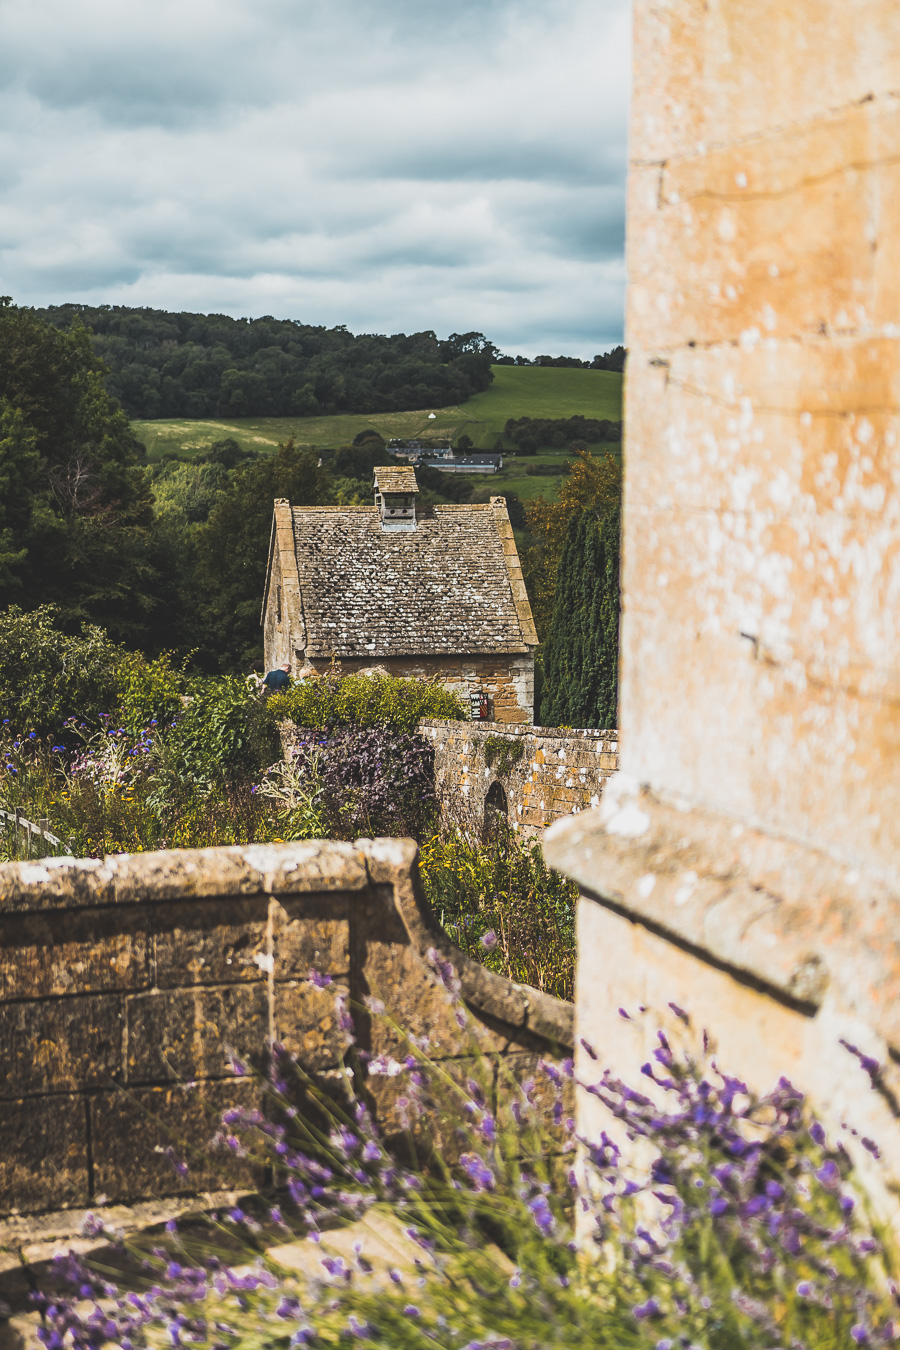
x=828 y=1174
x=542 y=1214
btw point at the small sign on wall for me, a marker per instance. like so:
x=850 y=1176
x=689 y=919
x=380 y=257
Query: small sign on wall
x=480 y=706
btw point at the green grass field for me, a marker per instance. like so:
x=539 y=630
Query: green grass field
x=517 y=391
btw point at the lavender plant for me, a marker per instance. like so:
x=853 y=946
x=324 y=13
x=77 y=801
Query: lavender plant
x=372 y=780
x=740 y=1231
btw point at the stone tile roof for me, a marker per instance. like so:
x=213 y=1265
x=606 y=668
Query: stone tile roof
x=396 y=479
x=453 y=585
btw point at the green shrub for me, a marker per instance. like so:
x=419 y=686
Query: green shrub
x=223 y=729
x=149 y=691
x=48 y=676
x=502 y=905
x=364 y=700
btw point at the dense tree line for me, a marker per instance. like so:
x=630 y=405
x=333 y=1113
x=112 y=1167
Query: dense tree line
x=531 y=433
x=210 y=365
x=611 y=360
x=76 y=510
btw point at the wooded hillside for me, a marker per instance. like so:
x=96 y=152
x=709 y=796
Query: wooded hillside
x=210 y=365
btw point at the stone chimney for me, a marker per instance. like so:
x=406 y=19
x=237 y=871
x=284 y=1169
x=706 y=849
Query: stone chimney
x=395 y=497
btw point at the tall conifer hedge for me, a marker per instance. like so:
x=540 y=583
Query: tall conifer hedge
x=581 y=656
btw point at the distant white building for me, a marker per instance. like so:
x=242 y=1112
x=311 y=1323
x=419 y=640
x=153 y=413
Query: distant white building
x=448 y=462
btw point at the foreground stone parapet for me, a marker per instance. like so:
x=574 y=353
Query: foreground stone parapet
x=128 y=987
x=788 y=959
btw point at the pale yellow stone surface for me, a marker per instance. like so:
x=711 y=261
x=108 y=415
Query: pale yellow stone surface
x=745 y=865
x=789 y=234
x=761 y=632
x=751 y=1036
x=713 y=71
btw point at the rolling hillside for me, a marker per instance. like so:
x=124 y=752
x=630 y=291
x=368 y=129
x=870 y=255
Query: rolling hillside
x=517 y=391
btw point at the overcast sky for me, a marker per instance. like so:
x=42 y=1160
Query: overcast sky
x=393 y=166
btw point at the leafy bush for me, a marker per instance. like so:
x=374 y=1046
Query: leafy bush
x=124 y=794
x=501 y=904
x=327 y=701
x=296 y=793
x=222 y=730
x=48 y=676
x=731 y=1227
x=150 y=692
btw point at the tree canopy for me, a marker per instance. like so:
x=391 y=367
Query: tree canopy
x=581 y=656
x=594 y=484
x=75 y=504
x=210 y=365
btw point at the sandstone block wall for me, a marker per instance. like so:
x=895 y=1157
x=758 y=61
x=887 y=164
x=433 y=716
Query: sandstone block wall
x=746 y=863
x=761 y=629
x=559 y=772
x=127 y=985
x=783 y=956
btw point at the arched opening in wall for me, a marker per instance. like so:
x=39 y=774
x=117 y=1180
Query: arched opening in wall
x=496 y=811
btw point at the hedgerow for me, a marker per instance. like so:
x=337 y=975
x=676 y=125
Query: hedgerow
x=324 y=701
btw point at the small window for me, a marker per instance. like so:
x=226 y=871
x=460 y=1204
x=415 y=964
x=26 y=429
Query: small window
x=278 y=604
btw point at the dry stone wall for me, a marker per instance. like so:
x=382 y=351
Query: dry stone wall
x=557 y=772
x=127 y=985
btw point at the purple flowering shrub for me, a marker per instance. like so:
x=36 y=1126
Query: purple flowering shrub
x=372 y=780
x=738 y=1231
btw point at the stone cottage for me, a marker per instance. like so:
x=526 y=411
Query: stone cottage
x=432 y=593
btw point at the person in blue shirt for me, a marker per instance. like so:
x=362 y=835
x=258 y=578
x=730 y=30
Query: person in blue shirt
x=278 y=679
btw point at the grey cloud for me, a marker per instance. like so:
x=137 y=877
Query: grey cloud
x=406 y=166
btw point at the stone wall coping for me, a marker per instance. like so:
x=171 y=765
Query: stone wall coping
x=807 y=927
x=179 y=874
x=314 y=867
x=522 y=729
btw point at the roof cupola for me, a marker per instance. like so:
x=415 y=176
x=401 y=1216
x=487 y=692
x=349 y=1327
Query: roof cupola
x=395 y=497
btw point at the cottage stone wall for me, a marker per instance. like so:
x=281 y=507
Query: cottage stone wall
x=556 y=773
x=126 y=985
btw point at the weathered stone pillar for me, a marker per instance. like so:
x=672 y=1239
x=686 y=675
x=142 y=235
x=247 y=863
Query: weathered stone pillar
x=755 y=874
